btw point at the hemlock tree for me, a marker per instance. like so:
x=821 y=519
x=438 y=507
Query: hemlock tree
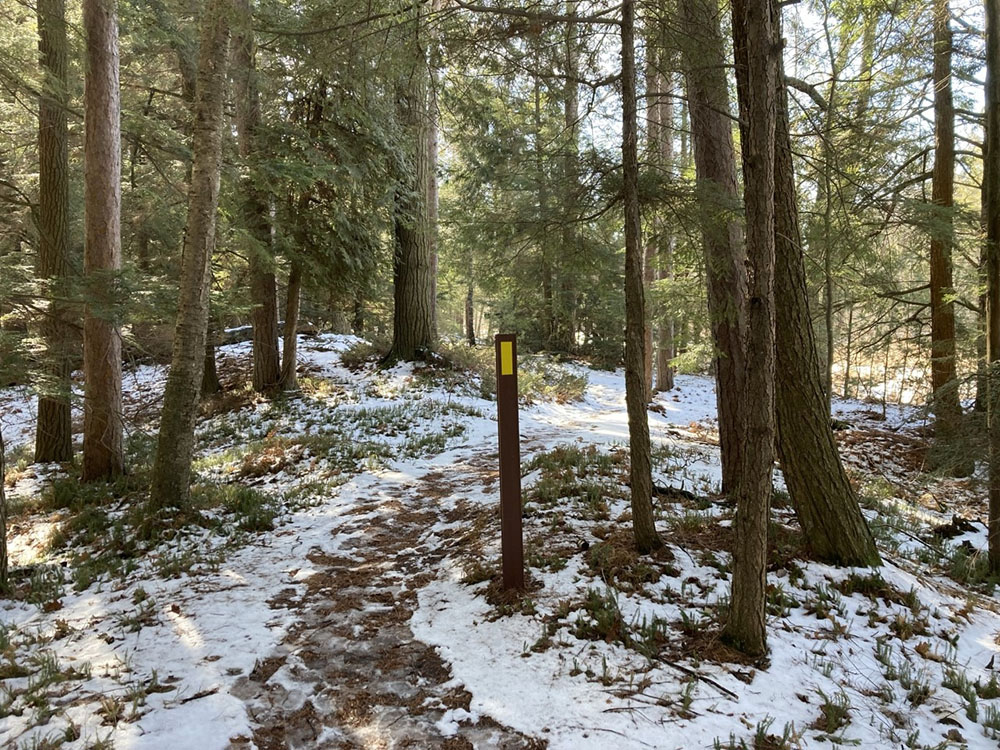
x=821 y=493
x=753 y=45
x=175 y=443
x=414 y=228
x=991 y=225
x=254 y=206
x=54 y=428
x=636 y=392
x=103 y=453
x=947 y=409
x=704 y=63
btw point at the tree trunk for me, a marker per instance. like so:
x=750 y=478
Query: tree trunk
x=944 y=452
x=413 y=266
x=54 y=428
x=470 y=322
x=210 y=384
x=643 y=526
x=255 y=213
x=991 y=222
x=289 y=349
x=652 y=153
x=725 y=255
x=665 y=251
x=753 y=44
x=175 y=445
x=570 y=240
x=103 y=451
x=821 y=493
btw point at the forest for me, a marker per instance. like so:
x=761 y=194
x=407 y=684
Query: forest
x=258 y=262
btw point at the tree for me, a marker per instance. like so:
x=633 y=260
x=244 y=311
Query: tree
x=947 y=409
x=414 y=228
x=4 y=563
x=254 y=208
x=991 y=225
x=753 y=45
x=175 y=442
x=54 y=429
x=821 y=493
x=725 y=255
x=103 y=451
x=636 y=392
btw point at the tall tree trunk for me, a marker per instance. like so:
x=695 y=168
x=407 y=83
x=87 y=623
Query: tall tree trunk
x=653 y=136
x=175 y=445
x=570 y=240
x=821 y=493
x=54 y=428
x=210 y=383
x=255 y=213
x=991 y=223
x=289 y=349
x=947 y=409
x=103 y=450
x=414 y=229
x=718 y=197
x=665 y=250
x=643 y=526
x=753 y=44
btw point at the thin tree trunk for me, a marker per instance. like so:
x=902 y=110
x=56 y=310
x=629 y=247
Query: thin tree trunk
x=718 y=197
x=289 y=349
x=103 y=450
x=210 y=383
x=947 y=409
x=753 y=43
x=820 y=490
x=566 y=305
x=653 y=137
x=175 y=445
x=847 y=353
x=54 y=428
x=991 y=222
x=470 y=321
x=413 y=267
x=643 y=525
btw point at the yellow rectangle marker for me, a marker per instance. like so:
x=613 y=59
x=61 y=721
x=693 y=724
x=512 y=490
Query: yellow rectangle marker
x=506 y=357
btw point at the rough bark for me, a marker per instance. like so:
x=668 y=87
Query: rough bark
x=289 y=348
x=103 y=451
x=947 y=409
x=643 y=526
x=649 y=261
x=210 y=383
x=413 y=226
x=565 y=319
x=54 y=427
x=753 y=44
x=254 y=208
x=725 y=255
x=991 y=251
x=175 y=445
x=470 y=321
x=666 y=240
x=821 y=493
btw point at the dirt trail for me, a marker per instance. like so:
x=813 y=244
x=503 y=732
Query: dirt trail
x=351 y=674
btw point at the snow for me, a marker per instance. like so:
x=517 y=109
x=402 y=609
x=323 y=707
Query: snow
x=394 y=442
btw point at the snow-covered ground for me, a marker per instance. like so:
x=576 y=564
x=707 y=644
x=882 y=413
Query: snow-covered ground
x=366 y=617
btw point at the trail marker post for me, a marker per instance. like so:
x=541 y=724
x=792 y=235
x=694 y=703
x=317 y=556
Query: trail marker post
x=511 y=542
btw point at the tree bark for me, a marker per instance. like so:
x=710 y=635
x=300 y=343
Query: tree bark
x=210 y=383
x=991 y=251
x=643 y=525
x=413 y=267
x=103 y=450
x=254 y=209
x=470 y=321
x=4 y=562
x=821 y=493
x=175 y=445
x=289 y=349
x=718 y=197
x=652 y=239
x=666 y=239
x=947 y=409
x=54 y=428
x=753 y=44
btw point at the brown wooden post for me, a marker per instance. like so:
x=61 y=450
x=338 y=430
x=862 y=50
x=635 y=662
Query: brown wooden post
x=511 y=543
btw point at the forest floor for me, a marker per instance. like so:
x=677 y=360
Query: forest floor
x=335 y=586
